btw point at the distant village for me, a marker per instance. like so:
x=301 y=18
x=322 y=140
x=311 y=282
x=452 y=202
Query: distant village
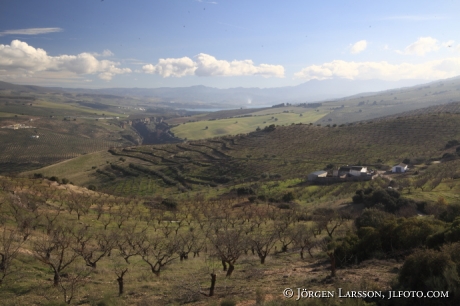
x=18 y=126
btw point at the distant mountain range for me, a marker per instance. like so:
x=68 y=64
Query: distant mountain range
x=310 y=91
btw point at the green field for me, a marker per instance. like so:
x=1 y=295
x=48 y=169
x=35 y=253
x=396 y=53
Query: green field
x=240 y=125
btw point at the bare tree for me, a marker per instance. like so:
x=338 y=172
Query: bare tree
x=262 y=241
x=158 y=251
x=72 y=282
x=229 y=244
x=93 y=247
x=55 y=251
x=10 y=243
x=304 y=239
x=120 y=268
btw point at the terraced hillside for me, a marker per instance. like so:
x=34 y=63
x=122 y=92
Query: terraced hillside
x=282 y=152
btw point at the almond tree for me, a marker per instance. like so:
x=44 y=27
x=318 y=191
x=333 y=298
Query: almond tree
x=10 y=243
x=93 y=247
x=55 y=251
x=262 y=242
x=229 y=244
x=72 y=282
x=158 y=251
x=304 y=239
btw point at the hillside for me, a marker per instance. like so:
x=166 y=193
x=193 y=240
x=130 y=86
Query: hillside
x=41 y=126
x=391 y=102
x=227 y=220
x=289 y=153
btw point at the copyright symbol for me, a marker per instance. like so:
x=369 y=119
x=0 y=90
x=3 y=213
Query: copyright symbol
x=288 y=293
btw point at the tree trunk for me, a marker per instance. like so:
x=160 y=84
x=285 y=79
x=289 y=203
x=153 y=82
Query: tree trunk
x=213 y=284
x=224 y=265
x=56 y=279
x=262 y=258
x=120 y=286
x=332 y=257
x=301 y=254
x=230 y=269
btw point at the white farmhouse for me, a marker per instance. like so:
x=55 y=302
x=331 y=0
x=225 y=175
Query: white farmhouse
x=314 y=175
x=400 y=168
x=358 y=170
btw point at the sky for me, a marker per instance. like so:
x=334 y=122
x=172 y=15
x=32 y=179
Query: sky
x=225 y=43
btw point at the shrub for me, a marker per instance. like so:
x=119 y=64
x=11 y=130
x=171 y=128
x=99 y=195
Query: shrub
x=245 y=191
x=92 y=187
x=429 y=270
x=288 y=197
x=169 y=204
x=372 y=217
x=262 y=197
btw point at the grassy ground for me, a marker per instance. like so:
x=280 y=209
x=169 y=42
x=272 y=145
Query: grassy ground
x=233 y=126
x=182 y=281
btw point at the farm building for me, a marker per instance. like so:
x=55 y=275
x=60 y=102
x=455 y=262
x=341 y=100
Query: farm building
x=344 y=170
x=401 y=168
x=314 y=175
x=358 y=170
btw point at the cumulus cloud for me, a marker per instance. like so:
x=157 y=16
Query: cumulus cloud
x=107 y=53
x=358 y=47
x=19 y=58
x=422 y=46
x=177 y=67
x=436 y=69
x=30 y=31
x=207 y=65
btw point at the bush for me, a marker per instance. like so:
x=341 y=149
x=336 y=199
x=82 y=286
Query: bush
x=372 y=217
x=288 y=197
x=245 y=191
x=452 y=143
x=169 y=204
x=429 y=270
x=65 y=181
x=262 y=197
x=92 y=187
x=284 y=206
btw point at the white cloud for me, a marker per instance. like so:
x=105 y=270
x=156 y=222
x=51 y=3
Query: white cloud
x=207 y=65
x=19 y=58
x=30 y=31
x=358 y=47
x=422 y=46
x=436 y=69
x=107 y=53
x=176 y=67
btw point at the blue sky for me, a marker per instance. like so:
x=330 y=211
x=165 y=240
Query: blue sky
x=225 y=43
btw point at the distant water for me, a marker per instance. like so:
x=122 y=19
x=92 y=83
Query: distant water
x=221 y=109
